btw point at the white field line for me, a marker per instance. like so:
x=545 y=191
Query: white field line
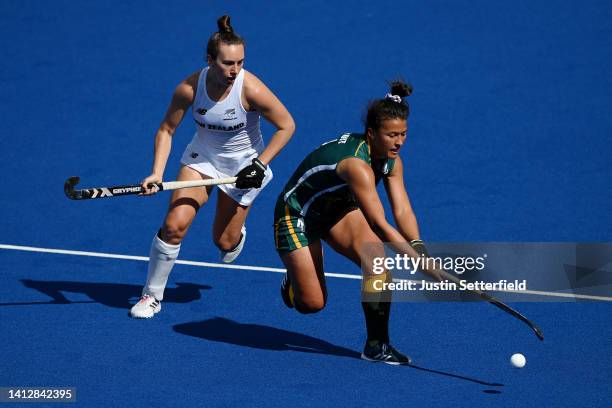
x=146 y=259
x=261 y=268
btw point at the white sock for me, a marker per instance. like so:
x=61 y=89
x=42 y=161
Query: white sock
x=161 y=261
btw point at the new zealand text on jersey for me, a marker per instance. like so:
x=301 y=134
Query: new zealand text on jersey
x=219 y=127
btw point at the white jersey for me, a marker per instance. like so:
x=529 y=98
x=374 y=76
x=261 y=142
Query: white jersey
x=226 y=139
x=225 y=130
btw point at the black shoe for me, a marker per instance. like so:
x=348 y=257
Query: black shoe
x=285 y=289
x=384 y=353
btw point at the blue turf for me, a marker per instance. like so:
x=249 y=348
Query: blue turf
x=507 y=142
x=218 y=340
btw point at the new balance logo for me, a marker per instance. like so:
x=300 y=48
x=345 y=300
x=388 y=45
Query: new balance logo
x=344 y=138
x=299 y=225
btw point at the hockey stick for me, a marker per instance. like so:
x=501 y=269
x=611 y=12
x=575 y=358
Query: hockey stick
x=116 y=191
x=498 y=303
x=440 y=274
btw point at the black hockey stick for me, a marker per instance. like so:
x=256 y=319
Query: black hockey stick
x=498 y=303
x=440 y=273
x=131 y=189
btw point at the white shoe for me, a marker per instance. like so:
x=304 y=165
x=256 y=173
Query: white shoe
x=230 y=256
x=146 y=307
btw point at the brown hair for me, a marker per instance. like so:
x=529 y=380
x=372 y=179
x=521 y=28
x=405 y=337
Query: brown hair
x=225 y=35
x=388 y=107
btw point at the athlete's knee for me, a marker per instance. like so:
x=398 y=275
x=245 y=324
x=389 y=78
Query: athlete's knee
x=309 y=305
x=173 y=233
x=227 y=240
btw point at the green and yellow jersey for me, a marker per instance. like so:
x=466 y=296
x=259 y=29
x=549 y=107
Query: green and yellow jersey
x=315 y=196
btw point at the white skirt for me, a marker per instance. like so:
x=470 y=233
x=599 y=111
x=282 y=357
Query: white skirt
x=224 y=165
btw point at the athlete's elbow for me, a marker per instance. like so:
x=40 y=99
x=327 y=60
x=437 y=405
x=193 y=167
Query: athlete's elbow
x=289 y=128
x=165 y=131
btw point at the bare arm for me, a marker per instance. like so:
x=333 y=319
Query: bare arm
x=258 y=97
x=181 y=101
x=400 y=203
x=360 y=178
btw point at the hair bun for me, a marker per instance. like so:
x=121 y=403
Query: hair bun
x=224 y=24
x=401 y=89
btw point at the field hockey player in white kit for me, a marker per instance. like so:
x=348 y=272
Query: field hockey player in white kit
x=226 y=103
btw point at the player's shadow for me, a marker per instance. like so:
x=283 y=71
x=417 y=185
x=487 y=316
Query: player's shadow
x=257 y=336
x=117 y=295
x=260 y=337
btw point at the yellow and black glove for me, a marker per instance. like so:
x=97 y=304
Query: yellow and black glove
x=419 y=246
